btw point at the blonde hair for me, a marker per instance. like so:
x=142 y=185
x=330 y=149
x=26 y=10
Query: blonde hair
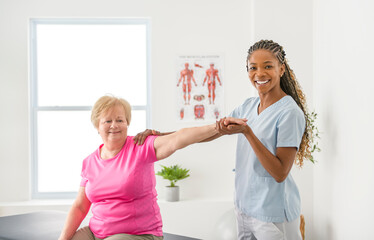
x=290 y=86
x=107 y=102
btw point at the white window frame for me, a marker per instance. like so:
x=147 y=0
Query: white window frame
x=34 y=108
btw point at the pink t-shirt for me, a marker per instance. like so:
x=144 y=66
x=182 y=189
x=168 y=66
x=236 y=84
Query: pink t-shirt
x=122 y=191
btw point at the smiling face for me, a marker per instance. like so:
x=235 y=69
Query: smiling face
x=265 y=71
x=113 y=125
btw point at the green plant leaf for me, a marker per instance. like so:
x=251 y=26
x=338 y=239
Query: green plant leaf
x=315 y=134
x=173 y=173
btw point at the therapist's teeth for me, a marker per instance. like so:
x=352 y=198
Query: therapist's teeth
x=262 y=82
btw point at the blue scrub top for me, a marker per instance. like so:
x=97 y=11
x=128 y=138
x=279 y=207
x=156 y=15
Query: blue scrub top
x=257 y=194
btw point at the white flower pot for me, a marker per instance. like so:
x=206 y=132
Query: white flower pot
x=172 y=193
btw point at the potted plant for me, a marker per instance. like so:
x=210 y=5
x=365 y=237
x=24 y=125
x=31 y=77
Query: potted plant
x=314 y=133
x=173 y=174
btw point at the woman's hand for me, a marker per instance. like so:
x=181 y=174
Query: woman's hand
x=140 y=137
x=228 y=126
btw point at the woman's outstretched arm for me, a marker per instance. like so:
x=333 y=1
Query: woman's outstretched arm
x=168 y=144
x=140 y=137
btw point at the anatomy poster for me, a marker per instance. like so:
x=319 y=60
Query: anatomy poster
x=199 y=87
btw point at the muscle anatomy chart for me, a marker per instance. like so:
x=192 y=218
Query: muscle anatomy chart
x=199 y=87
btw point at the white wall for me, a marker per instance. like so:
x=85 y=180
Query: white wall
x=178 y=27
x=343 y=93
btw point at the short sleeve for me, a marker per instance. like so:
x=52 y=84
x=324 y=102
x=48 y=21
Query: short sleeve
x=290 y=128
x=149 y=149
x=84 y=179
x=235 y=113
x=238 y=111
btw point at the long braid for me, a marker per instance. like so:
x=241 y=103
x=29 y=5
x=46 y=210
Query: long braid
x=290 y=86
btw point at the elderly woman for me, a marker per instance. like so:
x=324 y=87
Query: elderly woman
x=118 y=179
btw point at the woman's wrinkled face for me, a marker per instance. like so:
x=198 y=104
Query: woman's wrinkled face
x=264 y=71
x=113 y=124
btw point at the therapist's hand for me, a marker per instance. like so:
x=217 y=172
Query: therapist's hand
x=230 y=125
x=140 y=137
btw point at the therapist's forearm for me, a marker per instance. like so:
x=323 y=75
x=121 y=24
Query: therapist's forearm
x=278 y=165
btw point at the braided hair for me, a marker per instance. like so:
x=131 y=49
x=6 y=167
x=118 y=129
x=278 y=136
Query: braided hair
x=290 y=86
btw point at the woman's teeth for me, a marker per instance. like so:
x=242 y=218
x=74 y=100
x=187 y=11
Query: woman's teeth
x=262 y=82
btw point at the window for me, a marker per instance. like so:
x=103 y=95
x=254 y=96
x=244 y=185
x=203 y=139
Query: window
x=73 y=62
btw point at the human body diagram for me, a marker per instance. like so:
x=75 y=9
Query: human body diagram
x=186 y=76
x=210 y=77
x=200 y=97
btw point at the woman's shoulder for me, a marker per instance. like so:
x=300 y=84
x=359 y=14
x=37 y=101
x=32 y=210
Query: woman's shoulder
x=93 y=156
x=148 y=142
x=291 y=105
x=95 y=152
x=131 y=144
x=251 y=101
x=290 y=110
x=244 y=108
